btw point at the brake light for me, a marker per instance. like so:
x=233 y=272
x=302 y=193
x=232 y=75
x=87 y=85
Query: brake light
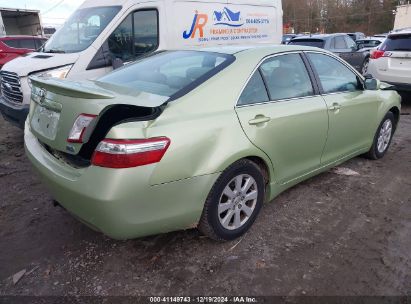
x=79 y=127
x=378 y=54
x=125 y=153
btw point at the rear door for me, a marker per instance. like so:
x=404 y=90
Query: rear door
x=352 y=110
x=281 y=114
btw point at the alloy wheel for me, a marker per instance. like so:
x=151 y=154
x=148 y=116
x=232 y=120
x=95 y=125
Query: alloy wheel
x=237 y=202
x=385 y=136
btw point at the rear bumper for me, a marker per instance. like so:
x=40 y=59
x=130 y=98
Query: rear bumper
x=15 y=114
x=120 y=202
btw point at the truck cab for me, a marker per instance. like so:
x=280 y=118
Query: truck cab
x=105 y=35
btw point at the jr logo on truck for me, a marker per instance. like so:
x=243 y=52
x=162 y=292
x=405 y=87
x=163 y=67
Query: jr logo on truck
x=199 y=21
x=227 y=17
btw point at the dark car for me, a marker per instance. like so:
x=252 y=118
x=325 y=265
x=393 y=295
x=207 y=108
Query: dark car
x=340 y=44
x=287 y=38
x=15 y=46
x=356 y=36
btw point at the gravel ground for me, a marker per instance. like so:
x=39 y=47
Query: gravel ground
x=331 y=235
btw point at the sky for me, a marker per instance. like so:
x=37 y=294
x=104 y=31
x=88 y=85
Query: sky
x=52 y=11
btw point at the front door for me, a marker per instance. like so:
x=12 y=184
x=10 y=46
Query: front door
x=352 y=110
x=282 y=115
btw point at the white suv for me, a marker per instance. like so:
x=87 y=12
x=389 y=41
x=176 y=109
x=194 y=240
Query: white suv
x=391 y=62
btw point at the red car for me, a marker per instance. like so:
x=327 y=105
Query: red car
x=15 y=46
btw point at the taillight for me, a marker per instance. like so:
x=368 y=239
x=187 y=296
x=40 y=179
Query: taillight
x=125 y=153
x=375 y=54
x=79 y=127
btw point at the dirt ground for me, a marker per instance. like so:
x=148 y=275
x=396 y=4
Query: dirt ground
x=331 y=235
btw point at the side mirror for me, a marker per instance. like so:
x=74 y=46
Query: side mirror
x=372 y=84
x=354 y=48
x=117 y=63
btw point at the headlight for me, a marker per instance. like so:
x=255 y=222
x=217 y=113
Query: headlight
x=60 y=72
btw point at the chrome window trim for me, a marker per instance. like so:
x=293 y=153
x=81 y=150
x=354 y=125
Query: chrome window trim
x=277 y=100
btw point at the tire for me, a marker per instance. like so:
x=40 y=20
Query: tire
x=229 y=214
x=364 y=66
x=382 y=138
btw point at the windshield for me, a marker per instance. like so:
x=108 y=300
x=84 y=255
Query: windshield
x=169 y=73
x=81 y=29
x=368 y=43
x=308 y=42
x=397 y=43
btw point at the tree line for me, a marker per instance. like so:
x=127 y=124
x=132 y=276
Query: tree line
x=331 y=16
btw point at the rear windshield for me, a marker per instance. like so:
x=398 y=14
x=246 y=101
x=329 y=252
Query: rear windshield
x=171 y=73
x=368 y=43
x=308 y=42
x=397 y=43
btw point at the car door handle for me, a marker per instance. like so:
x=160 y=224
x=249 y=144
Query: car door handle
x=259 y=119
x=335 y=107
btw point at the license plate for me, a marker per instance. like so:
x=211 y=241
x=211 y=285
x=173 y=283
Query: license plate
x=45 y=121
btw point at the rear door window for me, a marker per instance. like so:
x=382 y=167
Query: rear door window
x=286 y=77
x=255 y=91
x=397 y=43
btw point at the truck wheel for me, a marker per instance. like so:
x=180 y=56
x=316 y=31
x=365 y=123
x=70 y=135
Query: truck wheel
x=234 y=201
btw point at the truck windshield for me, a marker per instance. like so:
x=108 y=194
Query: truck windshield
x=170 y=73
x=81 y=29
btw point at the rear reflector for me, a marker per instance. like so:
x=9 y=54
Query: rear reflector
x=124 y=153
x=79 y=127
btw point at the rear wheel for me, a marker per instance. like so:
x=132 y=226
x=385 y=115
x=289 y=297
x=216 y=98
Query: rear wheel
x=234 y=201
x=383 y=137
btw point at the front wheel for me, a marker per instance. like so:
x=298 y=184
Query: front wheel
x=382 y=138
x=234 y=201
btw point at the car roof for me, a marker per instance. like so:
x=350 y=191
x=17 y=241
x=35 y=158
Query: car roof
x=319 y=36
x=261 y=49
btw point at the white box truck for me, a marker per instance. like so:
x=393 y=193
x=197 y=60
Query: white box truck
x=403 y=17
x=20 y=22
x=103 y=34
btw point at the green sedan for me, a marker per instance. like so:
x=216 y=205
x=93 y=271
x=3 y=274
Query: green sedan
x=201 y=138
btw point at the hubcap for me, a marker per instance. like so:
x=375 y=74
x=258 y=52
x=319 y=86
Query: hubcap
x=237 y=202
x=385 y=136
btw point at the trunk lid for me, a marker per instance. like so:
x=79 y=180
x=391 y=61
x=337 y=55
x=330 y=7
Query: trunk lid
x=400 y=60
x=55 y=105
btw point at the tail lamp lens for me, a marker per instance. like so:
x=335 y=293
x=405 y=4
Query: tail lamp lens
x=79 y=127
x=378 y=54
x=123 y=153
